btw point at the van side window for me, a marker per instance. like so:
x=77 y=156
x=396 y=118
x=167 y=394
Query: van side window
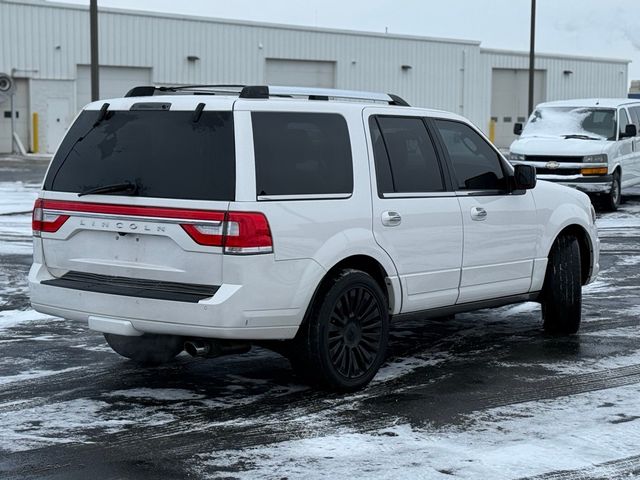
x=476 y=164
x=623 y=120
x=405 y=158
x=635 y=116
x=302 y=153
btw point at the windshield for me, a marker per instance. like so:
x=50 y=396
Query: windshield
x=162 y=154
x=572 y=122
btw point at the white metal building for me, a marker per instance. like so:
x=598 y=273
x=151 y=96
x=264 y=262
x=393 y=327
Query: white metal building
x=44 y=46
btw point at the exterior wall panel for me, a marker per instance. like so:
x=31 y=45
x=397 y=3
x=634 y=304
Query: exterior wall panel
x=47 y=41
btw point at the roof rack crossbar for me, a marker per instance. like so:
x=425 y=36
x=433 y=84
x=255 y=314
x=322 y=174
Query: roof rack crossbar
x=264 y=91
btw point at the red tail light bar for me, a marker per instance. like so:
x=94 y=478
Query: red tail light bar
x=236 y=232
x=42 y=221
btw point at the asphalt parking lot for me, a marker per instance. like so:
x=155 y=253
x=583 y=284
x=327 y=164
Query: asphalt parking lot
x=483 y=396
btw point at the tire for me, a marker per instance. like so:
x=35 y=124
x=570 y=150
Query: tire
x=343 y=341
x=562 y=290
x=612 y=200
x=147 y=349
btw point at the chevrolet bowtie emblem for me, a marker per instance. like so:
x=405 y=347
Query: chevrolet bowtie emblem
x=552 y=165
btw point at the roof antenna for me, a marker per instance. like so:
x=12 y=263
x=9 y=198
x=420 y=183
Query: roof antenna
x=598 y=102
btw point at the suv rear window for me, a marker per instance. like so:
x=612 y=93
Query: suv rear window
x=302 y=153
x=165 y=153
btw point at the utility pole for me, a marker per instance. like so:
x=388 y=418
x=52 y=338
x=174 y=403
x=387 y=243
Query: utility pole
x=532 y=55
x=95 y=69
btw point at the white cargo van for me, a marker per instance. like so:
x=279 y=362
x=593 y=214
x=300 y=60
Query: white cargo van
x=592 y=145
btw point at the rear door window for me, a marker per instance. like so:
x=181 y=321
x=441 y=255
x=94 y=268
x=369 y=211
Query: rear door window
x=405 y=158
x=166 y=154
x=476 y=164
x=302 y=153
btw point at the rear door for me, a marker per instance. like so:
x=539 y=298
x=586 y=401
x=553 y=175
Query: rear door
x=629 y=159
x=181 y=170
x=500 y=229
x=416 y=217
x=634 y=114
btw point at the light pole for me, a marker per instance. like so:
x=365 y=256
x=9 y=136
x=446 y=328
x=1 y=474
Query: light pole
x=95 y=70
x=532 y=55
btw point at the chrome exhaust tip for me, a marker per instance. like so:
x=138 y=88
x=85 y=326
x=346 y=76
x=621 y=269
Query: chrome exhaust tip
x=197 y=348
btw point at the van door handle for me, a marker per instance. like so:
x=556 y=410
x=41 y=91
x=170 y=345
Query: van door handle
x=391 y=219
x=478 y=213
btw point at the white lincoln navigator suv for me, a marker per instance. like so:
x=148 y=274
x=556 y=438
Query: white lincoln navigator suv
x=211 y=218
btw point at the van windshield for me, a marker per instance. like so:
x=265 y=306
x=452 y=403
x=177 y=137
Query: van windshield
x=164 y=154
x=572 y=122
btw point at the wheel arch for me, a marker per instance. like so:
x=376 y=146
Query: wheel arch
x=367 y=264
x=586 y=249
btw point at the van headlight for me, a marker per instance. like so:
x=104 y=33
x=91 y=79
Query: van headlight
x=517 y=157
x=602 y=158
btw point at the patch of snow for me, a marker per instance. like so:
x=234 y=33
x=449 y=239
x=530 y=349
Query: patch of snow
x=17 y=197
x=70 y=422
x=526 y=439
x=31 y=374
x=13 y=318
x=168 y=394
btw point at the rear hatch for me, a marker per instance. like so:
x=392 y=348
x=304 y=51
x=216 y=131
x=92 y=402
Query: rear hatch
x=135 y=199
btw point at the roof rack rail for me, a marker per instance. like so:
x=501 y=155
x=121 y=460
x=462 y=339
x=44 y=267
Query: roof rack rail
x=264 y=91
x=150 y=90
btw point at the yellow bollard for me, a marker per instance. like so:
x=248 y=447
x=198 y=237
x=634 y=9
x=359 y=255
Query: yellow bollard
x=492 y=130
x=36 y=140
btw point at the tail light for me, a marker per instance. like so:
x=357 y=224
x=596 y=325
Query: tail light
x=45 y=221
x=240 y=233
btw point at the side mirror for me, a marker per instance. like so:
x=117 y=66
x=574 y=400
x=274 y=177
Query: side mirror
x=630 y=131
x=524 y=177
x=517 y=128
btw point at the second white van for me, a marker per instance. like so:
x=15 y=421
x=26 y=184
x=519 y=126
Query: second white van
x=591 y=144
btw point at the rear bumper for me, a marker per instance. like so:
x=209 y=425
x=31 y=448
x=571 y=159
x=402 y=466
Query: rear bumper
x=595 y=184
x=257 y=308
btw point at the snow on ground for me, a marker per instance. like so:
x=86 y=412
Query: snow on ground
x=12 y=318
x=501 y=443
x=72 y=421
x=17 y=197
x=33 y=374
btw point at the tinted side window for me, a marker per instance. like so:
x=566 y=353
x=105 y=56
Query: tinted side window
x=301 y=153
x=476 y=165
x=407 y=153
x=623 y=120
x=381 y=159
x=635 y=116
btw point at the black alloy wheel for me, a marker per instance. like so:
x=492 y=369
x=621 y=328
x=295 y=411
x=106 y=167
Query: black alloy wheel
x=355 y=332
x=343 y=341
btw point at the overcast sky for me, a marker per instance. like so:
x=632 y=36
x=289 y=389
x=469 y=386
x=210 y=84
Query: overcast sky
x=602 y=28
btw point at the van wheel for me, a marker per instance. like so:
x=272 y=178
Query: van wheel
x=148 y=349
x=611 y=202
x=343 y=343
x=562 y=291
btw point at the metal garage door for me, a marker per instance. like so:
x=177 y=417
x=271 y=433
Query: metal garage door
x=22 y=117
x=114 y=82
x=510 y=100
x=303 y=73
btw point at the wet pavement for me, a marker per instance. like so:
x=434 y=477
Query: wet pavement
x=485 y=395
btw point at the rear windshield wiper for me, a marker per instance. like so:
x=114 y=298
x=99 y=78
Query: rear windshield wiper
x=127 y=187
x=581 y=137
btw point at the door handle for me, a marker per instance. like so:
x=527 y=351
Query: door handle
x=478 y=213
x=391 y=219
